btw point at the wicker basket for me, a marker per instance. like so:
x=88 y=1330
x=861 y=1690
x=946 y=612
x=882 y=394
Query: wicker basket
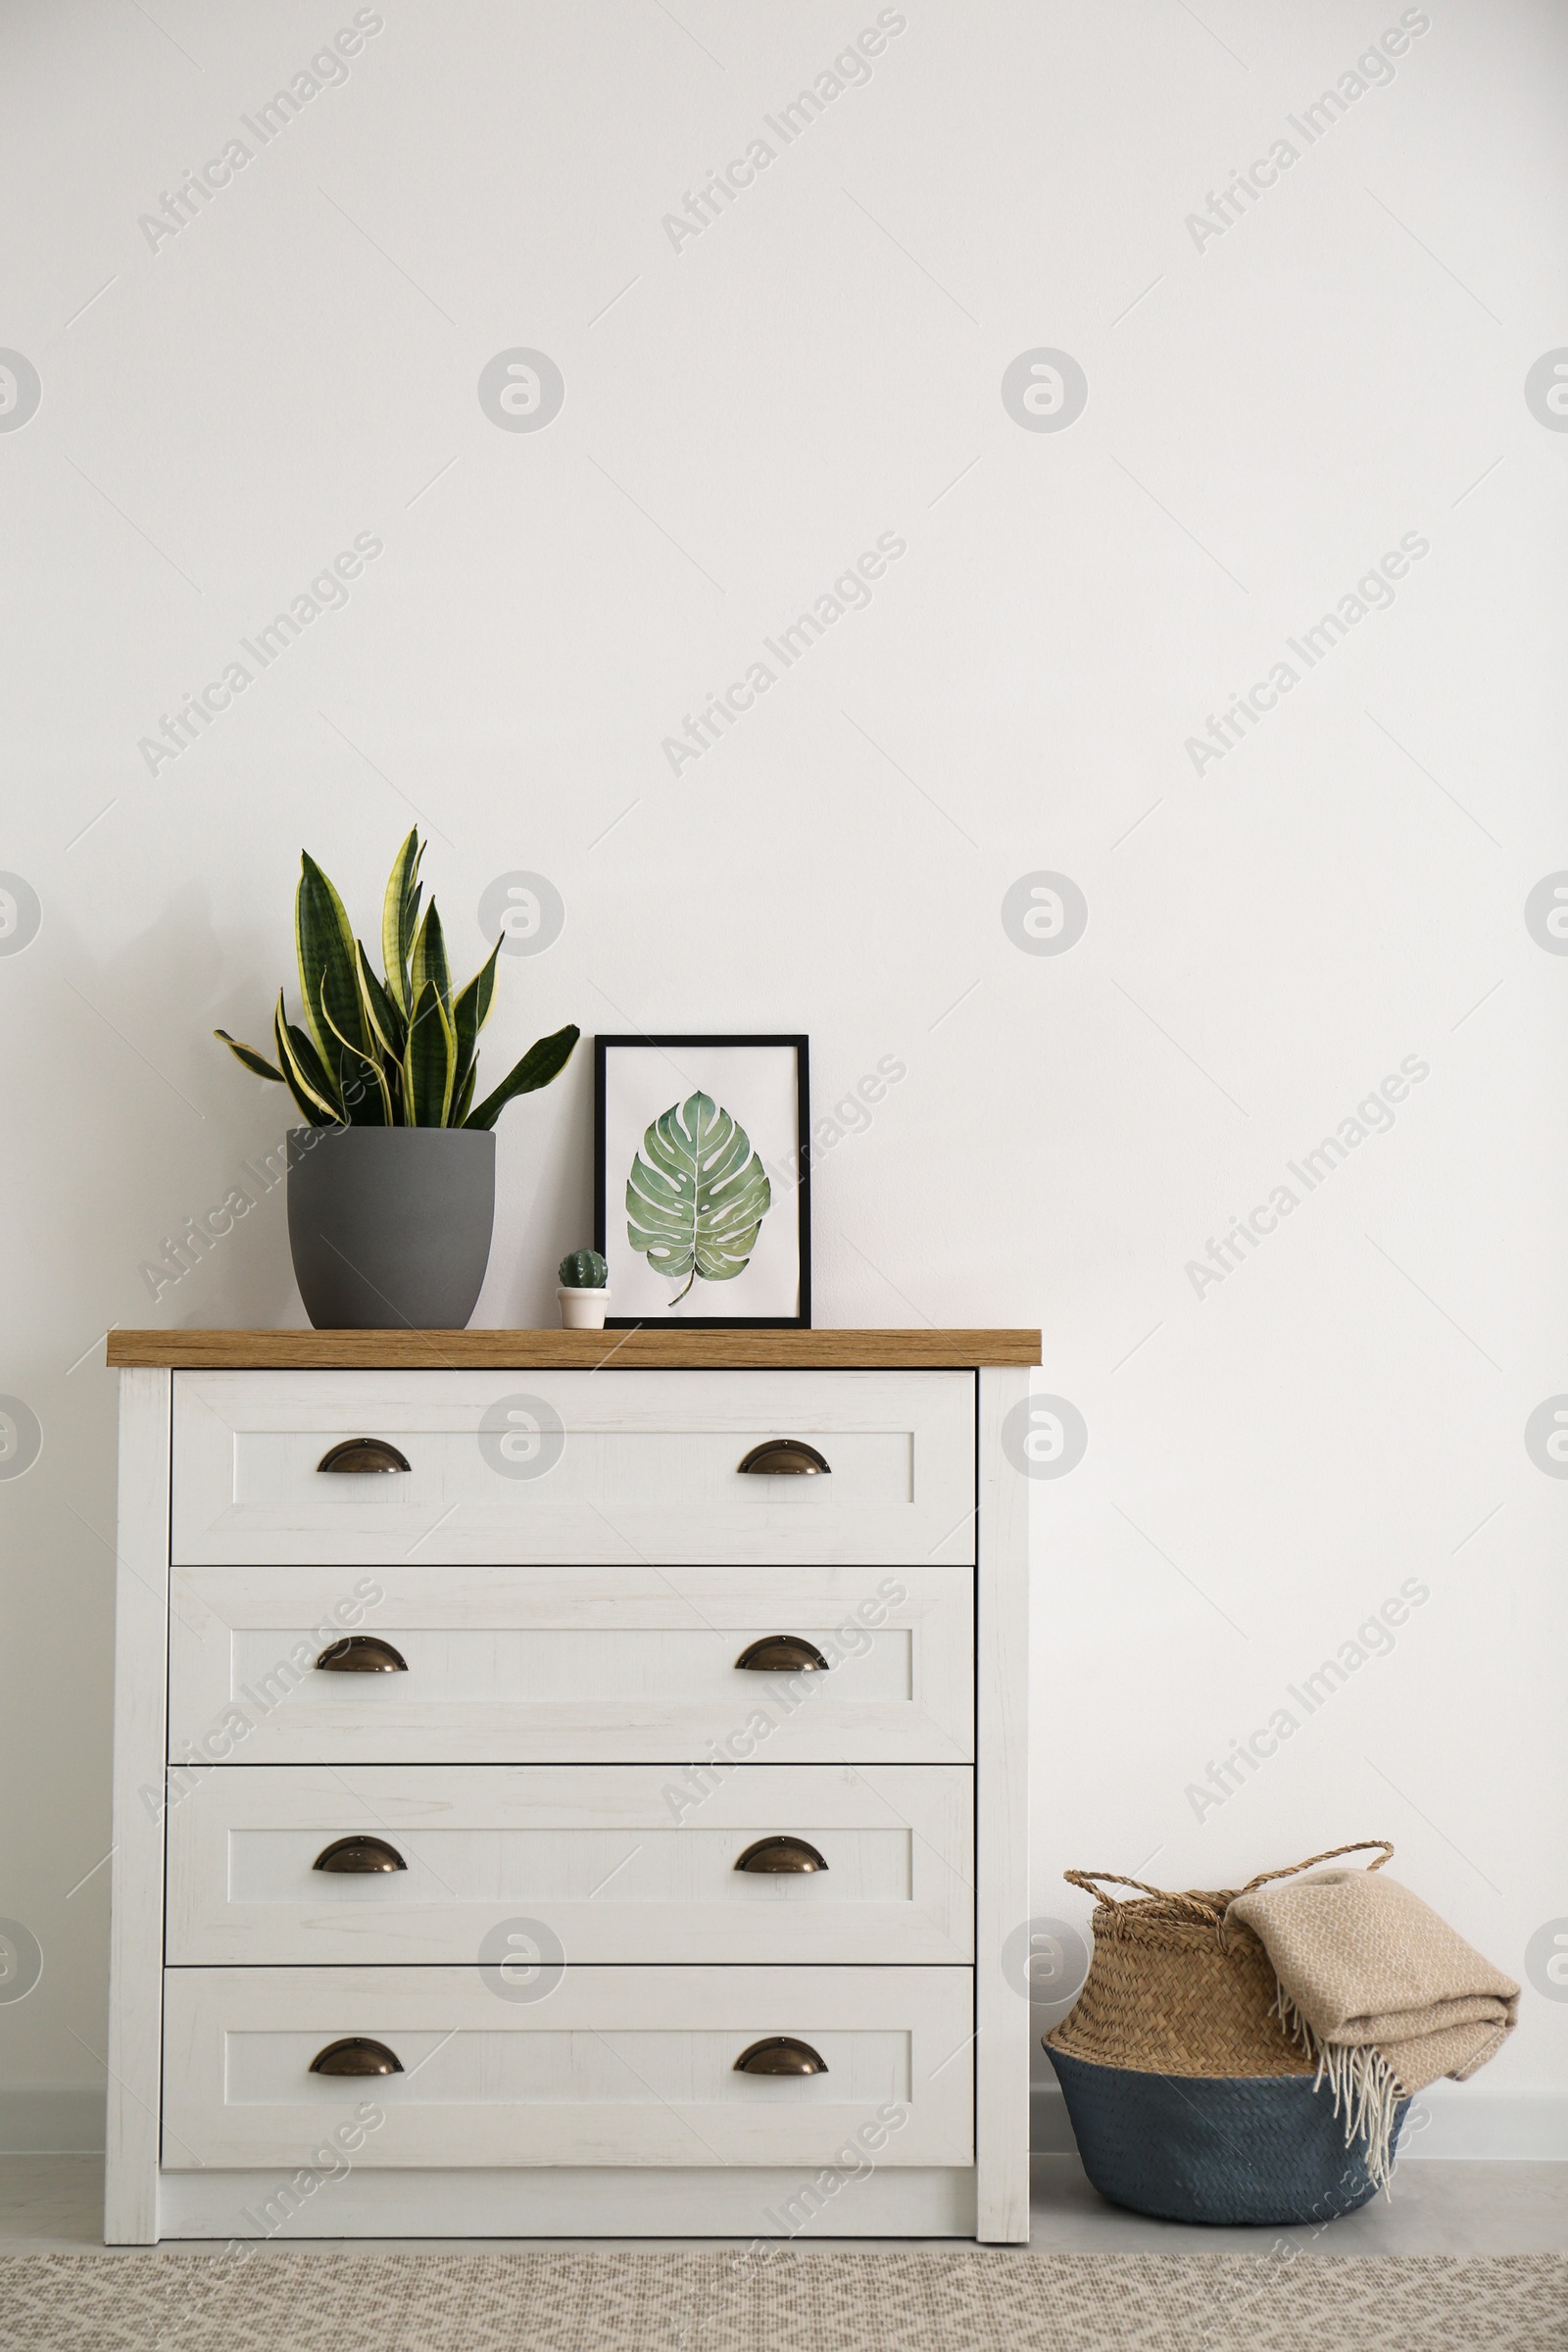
x=1186 y=2094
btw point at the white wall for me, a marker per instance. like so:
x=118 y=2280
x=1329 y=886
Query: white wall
x=1269 y=414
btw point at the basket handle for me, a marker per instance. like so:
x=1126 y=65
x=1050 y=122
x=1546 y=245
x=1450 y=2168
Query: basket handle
x=1089 y=1881
x=1361 y=1845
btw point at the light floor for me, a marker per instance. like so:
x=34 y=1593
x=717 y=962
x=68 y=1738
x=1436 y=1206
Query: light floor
x=53 y=2205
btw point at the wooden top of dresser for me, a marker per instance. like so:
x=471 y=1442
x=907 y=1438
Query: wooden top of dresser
x=643 y=1349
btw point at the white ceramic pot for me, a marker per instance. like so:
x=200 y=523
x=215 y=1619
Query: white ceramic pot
x=582 y=1310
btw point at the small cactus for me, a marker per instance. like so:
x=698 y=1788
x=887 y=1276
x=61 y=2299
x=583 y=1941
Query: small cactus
x=584 y=1270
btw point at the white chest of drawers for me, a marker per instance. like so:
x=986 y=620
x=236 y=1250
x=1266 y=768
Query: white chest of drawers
x=488 y=1765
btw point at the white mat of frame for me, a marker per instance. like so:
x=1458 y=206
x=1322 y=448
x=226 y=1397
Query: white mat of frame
x=180 y=2300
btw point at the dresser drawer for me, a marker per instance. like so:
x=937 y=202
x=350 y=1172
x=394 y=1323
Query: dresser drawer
x=614 y=2066
x=564 y=1468
x=537 y=1665
x=600 y=1863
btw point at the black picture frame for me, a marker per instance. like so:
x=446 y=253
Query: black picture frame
x=802 y=1321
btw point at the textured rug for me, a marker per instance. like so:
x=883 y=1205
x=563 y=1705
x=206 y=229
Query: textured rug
x=964 y=2301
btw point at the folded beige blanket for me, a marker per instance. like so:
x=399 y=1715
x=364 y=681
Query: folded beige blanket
x=1380 y=1990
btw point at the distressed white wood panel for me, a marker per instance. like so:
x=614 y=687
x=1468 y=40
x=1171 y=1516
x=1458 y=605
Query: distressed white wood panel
x=136 y=1919
x=616 y=1863
x=540 y=1665
x=1001 y=2006
x=850 y=2196
x=617 y=2066
x=597 y=1467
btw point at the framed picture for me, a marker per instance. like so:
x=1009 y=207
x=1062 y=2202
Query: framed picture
x=702 y=1180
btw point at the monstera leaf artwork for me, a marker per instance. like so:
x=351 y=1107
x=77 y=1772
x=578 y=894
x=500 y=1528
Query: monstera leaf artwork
x=696 y=1204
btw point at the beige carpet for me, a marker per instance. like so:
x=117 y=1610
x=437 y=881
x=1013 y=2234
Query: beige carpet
x=964 y=2301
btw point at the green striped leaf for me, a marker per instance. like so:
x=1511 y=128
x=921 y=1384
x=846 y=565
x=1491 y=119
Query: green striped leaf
x=303 y=1073
x=430 y=960
x=309 y=1061
x=470 y=1014
x=328 y=961
x=399 y=914
x=362 y=1086
x=386 y=1024
x=542 y=1062
x=254 y=1062
x=427 y=1062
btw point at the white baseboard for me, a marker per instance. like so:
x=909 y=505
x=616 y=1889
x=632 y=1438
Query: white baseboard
x=51 y=2119
x=1050 y=2133
x=1462 y=2121
x=1462 y=2124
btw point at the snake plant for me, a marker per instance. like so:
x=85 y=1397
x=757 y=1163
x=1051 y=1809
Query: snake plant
x=395 y=1051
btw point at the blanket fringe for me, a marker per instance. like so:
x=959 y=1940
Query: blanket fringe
x=1362 y=2082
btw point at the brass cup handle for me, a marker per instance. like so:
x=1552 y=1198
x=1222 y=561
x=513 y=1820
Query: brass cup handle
x=361 y=1653
x=776 y=1854
x=782 y=1653
x=780 y=2054
x=363 y=1453
x=356 y=2055
x=784 y=1458
x=355 y=1855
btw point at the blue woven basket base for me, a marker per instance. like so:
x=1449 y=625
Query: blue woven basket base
x=1263 y=2148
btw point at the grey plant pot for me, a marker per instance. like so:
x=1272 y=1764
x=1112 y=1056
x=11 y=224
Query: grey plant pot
x=390 y=1226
